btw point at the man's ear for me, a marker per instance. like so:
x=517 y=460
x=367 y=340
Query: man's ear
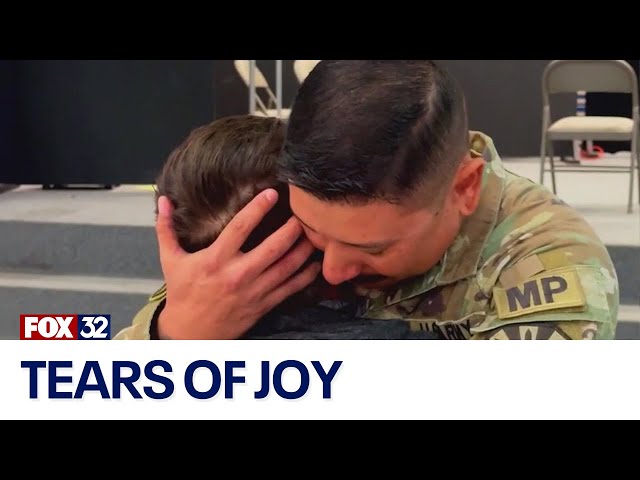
x=467 y=184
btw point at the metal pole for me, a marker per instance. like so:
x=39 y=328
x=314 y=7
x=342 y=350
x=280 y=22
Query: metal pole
x=252 y=87
x=279 y=87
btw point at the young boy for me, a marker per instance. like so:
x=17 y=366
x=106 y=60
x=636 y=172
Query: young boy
x=209 y=178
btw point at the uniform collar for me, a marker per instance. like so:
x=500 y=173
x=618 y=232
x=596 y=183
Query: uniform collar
x=463 y=256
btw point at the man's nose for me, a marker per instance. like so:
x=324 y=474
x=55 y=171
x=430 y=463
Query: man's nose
x=337 y=268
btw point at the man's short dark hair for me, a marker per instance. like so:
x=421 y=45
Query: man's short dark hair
x=362 y=130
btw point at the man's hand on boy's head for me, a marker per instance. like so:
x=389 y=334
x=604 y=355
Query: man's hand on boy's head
x=220 y=292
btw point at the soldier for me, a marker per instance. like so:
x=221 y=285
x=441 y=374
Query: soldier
x=414 y=211
x=208 y=178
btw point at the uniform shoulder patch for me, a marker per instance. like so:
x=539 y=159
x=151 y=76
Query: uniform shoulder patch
x=551 y=290
x=159 y=294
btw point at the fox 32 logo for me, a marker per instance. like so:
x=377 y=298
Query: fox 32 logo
x=65 y=327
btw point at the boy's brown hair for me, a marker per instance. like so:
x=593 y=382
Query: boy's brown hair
x=216 y=171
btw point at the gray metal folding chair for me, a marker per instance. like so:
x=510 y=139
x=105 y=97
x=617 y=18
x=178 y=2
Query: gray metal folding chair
x=571 y=76
x=265 y=107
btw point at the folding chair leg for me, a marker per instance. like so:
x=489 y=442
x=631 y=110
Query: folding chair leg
x=637 y=152
x=638 y=172
x=635 y=166
x=552 y=164
x=631 y=180
x=543 y=157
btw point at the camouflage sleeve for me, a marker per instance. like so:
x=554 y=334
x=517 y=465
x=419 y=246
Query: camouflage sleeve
x=550 y=276
x=572 y=302
x=575 y=330
x=140 y=328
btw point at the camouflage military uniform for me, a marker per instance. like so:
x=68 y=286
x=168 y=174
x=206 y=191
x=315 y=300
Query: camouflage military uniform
x=524 y=266
x=140 y=329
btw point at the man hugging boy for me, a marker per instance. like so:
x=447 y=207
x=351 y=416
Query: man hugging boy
x=209 y=178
